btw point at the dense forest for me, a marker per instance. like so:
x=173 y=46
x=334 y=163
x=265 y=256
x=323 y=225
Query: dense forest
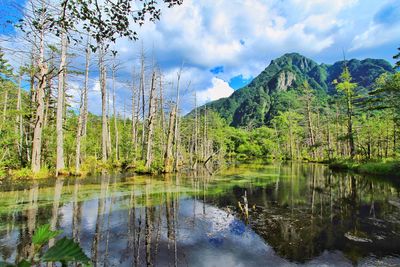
x=295 y=109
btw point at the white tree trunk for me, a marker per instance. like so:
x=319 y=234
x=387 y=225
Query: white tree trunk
x=115 y=114
x=150 y=127
x=82 y=120
x=104 y=134
x=39 y=99
x=19 y=122
x=134 y=116
x=60 y=165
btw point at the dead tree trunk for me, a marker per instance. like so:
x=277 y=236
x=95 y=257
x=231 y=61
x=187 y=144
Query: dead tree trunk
x=310 y=125
x=85 y=97
x=104 y=133
x=150 y=126
x=82 y=120
x=134 y=116
x=5 y=106
x=196 y=132
x=205 y=135
x=19 y=122
x=176 y=140
x=162 y=117
x=38 y=123
x=60 y=106
x=114 y=67
x=168 y=158
x=109 y=146
x=79 y=135
x=143 y=103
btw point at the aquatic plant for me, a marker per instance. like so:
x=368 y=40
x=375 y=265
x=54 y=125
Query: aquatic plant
x=64 y=250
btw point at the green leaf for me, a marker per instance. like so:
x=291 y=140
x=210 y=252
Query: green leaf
x=24 y=263
x=6 y=264
x=43 y=234
x=66 y=250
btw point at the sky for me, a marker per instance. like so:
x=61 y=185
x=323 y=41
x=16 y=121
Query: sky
x=224 y=44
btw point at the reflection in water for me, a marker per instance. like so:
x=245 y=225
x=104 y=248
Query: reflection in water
x=312 y=210
x=26 y=246
x=298 y=214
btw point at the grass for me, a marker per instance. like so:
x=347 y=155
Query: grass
x=91 y=166
x=384 y=168
x=27 y=173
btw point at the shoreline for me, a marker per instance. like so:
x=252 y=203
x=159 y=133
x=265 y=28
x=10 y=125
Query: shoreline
x=388 y=169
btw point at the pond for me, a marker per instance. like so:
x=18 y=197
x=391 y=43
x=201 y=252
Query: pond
x=279 y=214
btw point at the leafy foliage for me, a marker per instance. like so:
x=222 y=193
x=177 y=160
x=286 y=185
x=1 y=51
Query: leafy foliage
x=104 y=21
x=65 y=250
x=43 y=234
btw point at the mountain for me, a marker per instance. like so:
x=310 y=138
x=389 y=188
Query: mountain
x=257 y=103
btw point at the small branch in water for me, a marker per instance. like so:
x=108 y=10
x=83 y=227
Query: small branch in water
x=245 y=207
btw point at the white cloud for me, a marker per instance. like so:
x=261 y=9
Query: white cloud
x=218 y=89
x=212 y=30
x=208 y=33
x=373 y=36
x=96 y=86
x=321 y=6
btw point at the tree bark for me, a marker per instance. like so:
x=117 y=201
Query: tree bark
x=150 y=126
x=60 y=165
x=162 y=117
x=143 y=103
x=168 y=158
x=38 y=123
x=82 y=119
x=115 y=114
x=19 y=121
x=134 y=116
x=350 y=127
x=176 y=133
x=5 y=106
x=85 y=96
x=310 y=126
x=104 y=134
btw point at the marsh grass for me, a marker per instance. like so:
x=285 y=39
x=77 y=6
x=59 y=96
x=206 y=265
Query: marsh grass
x=384 y=167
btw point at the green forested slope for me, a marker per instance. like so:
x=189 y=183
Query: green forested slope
x=272 y=90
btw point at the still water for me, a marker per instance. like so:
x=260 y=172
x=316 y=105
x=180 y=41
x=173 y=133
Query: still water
x=298 y=214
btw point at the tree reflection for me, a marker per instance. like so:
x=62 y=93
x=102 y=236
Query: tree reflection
x=341 y=210
x=25 y=247
x=99 y=220
x=300 y=210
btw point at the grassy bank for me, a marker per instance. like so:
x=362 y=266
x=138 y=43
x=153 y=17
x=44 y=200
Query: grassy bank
x=90 y=167
x=382 y=168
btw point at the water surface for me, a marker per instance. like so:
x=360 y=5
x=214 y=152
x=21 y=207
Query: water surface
x=299 y=214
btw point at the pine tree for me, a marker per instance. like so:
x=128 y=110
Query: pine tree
x=397 y=58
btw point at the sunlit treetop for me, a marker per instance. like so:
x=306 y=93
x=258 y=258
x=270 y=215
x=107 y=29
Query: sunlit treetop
x=346 y=85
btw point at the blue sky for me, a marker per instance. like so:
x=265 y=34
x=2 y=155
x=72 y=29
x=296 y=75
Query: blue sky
x=225 y=43
x=10 y=11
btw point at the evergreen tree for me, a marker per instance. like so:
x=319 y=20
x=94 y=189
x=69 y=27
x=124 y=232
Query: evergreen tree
x=348 y=89
x=397 y=58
